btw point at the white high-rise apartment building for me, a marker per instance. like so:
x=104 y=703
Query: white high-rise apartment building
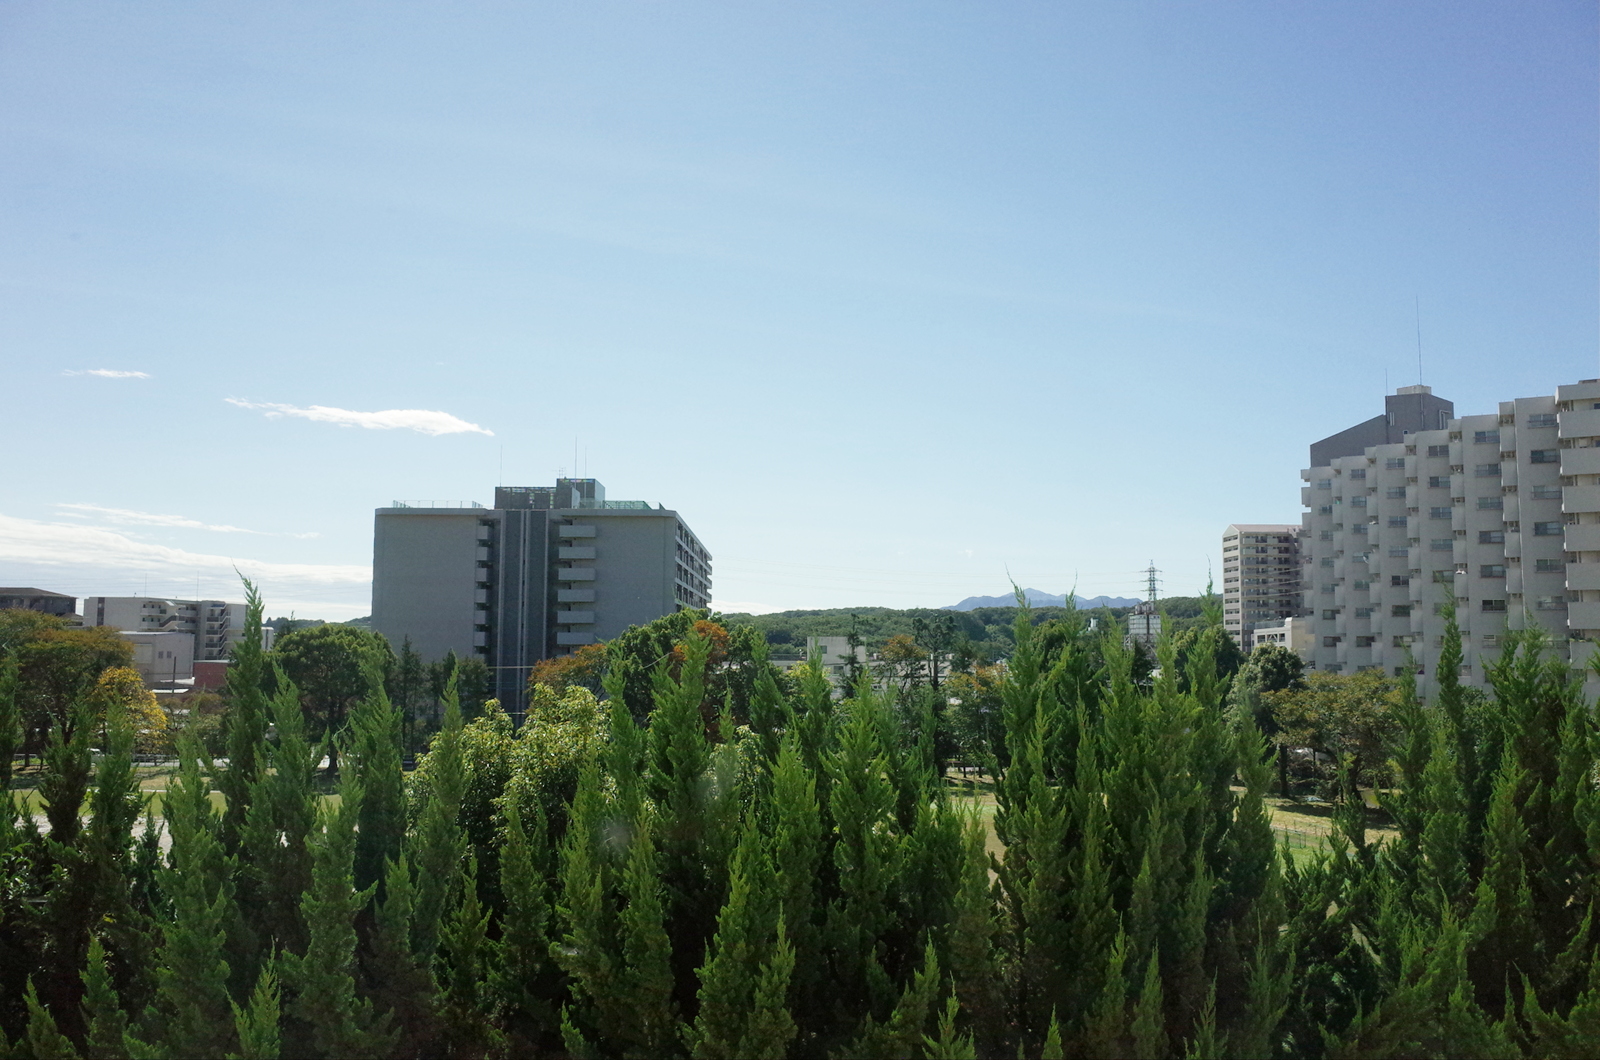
x=1260 y=578
x=1499 y=513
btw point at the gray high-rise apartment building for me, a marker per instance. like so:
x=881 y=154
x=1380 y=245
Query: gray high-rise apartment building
x=1499 y=513
x=1261 y=579
x=546 y=570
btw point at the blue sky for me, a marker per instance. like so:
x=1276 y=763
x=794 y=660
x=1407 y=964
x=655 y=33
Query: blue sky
x=891 y=301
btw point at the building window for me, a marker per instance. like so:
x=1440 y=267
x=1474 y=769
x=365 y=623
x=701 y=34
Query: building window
x=1330 y=613
x=1438 y=450
x=1397 y=521
x=1551 y=603
x=1491 y=537
x=1399 y=579
x=1327 y=561
x=1540 y=419
x=1444 y=577
x=1326 y=535
x=1438 y=513
x=1399 y=553
x=1545 y=456
x=1486 y=471
x=1324 y=483
x=1492 y=570
x=1395 y=493
x=1547 y=566
x=1547 y=493
x=1491 y=504
x=1326 y=509
x=1494 y=606
x=1440 y=544
x=1358 y=502
x=1485 y=437
x=1365 y=642
x=1358 y=473
x=1400 y=611
x=1547 y=529
x=1438 y=482
x=1330 y=642
x=1395 y=463
x=1363 y=612
x=1359 y=586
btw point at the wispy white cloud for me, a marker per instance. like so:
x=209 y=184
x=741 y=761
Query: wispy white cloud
x=423 y=421
x=126 y=517
x=107 y=373
x=88 y=560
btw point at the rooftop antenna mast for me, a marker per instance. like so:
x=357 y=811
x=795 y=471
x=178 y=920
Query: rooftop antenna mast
x=1418 y=299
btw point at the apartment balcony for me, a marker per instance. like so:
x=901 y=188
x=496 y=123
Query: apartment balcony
x=1583 y=576
x=575 y=618
x=573 y=640
x=575 y=552
x=1579 y=423
x=1584 y=615
x=575 y=531
x=1580 y=499
x=1585 y=538
x=1580 y=653
x=575 y=596
x=1580 y=461
x=575 y=574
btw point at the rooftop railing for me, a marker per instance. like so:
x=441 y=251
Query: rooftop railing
x=435 y=504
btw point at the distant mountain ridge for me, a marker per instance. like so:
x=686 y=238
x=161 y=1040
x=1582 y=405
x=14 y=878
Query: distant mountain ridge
x=1041 y=599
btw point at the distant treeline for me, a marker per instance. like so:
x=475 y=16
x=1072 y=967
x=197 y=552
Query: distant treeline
x=989 y=629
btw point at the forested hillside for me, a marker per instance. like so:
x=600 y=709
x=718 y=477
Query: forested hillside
x=989 y=629
x=672 y=871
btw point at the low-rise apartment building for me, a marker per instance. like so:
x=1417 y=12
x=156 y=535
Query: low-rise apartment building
x=216 y=625
x=41 y=600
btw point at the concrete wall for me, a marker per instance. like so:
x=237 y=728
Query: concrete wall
x=162 y=658
x=424 y=567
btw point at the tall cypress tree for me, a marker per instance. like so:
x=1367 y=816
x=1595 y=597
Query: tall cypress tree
x=245 y=723
x=374 y=753
x=106 y=1034
x=797 y=851
x=439 y=844
x=275 y=844
x=744 y=983
x=524 y=978
x=336 y=1022
x=192 y=974
x=693 y=847
x=866 y=857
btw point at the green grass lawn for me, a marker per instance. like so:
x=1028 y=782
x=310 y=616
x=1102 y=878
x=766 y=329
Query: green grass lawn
x=153 y=784
x=1301 y=828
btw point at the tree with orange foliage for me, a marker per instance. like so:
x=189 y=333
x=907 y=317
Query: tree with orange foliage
x=584 y=668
